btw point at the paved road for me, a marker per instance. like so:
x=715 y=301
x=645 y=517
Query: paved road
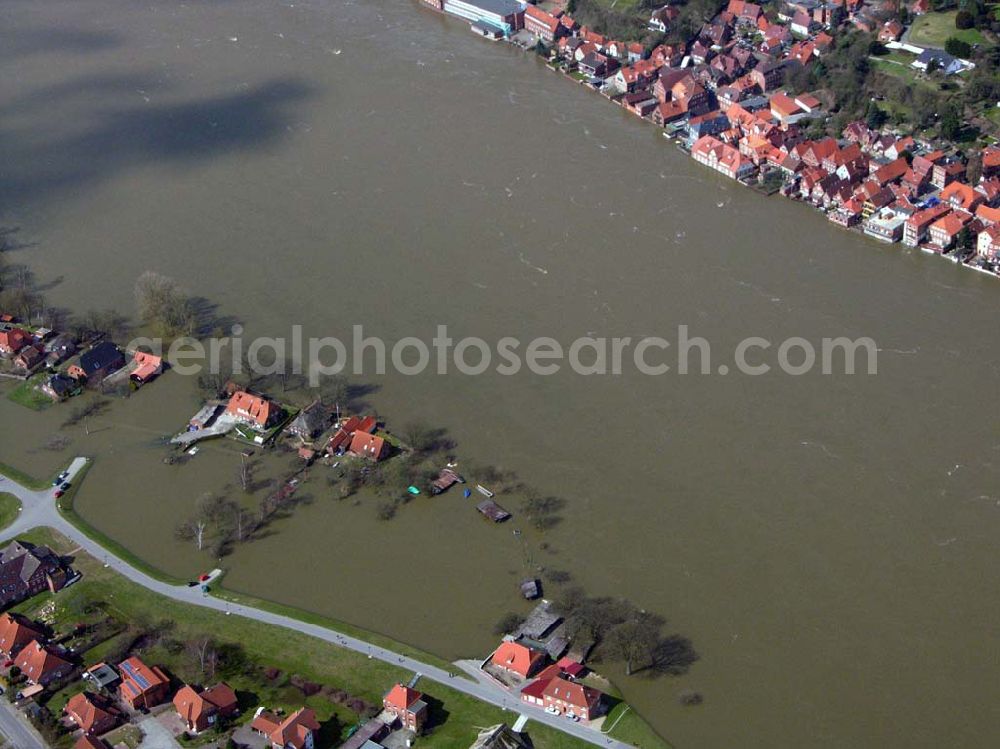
x=39 y=509
x=16 y=728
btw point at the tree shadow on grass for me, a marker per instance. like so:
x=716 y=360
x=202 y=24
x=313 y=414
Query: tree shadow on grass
x=437 y=715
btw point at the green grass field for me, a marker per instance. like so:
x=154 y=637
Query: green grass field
x=268 y=646
x=9 y=507
x=28 y=395
x=933 y=29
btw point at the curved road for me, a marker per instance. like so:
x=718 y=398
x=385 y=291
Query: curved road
x=39 y=510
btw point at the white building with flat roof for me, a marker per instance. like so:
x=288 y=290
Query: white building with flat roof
x=506 y=15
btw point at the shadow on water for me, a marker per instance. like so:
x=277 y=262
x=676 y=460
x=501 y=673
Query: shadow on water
x=35 y=41
x=38 y=164
x=81 y=88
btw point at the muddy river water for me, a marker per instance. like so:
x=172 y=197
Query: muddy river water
x=828 y=543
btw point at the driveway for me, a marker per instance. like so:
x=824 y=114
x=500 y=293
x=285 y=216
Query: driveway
x=155 y=735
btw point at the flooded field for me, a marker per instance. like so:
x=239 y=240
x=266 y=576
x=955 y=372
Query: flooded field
x=825 y=541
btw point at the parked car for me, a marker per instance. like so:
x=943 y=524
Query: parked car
x=59 y=493
x=60 y=478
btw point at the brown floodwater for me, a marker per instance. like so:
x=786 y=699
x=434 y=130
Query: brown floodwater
x=826 y=542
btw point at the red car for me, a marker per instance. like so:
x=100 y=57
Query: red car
x=59 y=493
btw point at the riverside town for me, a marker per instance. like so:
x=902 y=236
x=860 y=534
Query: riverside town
x=752 y=91
x=368 y=383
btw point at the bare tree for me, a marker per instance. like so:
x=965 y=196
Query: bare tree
x=204 y=651
x=199 y=532
x=246 y=473
x=242 y=523
x=634 y=641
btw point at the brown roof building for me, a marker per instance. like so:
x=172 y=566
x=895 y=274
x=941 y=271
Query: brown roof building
x=407 y=705
x=92 y=713
x=26 y=570
x=251 y=409
x=201 y=710
x=15 y=633
x=41 y=664
x=517 y=658
x=142 y=687
x=297 y=731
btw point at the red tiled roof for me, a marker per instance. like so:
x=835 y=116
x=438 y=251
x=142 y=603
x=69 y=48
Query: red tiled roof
x=84 y=710
x=14 y=339
x=513 y=656
x=367 y=445
x=16 y=632
x=962 y=194
x=401 y=697
x=574 y=694
x=541 y=17
x=36 y=661
x=987 y=214
x=250 y=407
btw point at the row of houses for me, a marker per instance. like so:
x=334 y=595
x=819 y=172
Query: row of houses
x=723 y=94
x=555 y=687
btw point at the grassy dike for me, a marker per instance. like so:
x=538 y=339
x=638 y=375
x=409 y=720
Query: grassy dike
x=267 y=646
x=9 y=507
x=294 y=652
x=23 y=478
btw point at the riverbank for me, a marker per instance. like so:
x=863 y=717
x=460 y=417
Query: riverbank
x=627 y=723
x=290 y=653
x=342 y=200
x=729 y=109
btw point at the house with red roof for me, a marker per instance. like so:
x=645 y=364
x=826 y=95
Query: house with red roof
x=517 y=659
x=666 y=112
x=142 y=686
x=200 y=710
x=407 y=706
x=29 y=357
x=891 y=31
x=785 y=109
x=915 y=230
x=943 y=232
x=946 y=171
x=254 y=410
x=365 y=445
x=41 y=664
x=543 y=25
x=15 y=632
x=890 y=172
x=961 y=196
x=92 y=713
x=570 y=668
x=987 y=215
x=297 y=731
x=848 y=214
x=691 y=95
x=13 y=340
x=562 y=697
x=991 y=161
x=722 y=157
x=146 y=367
x=988 y=243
